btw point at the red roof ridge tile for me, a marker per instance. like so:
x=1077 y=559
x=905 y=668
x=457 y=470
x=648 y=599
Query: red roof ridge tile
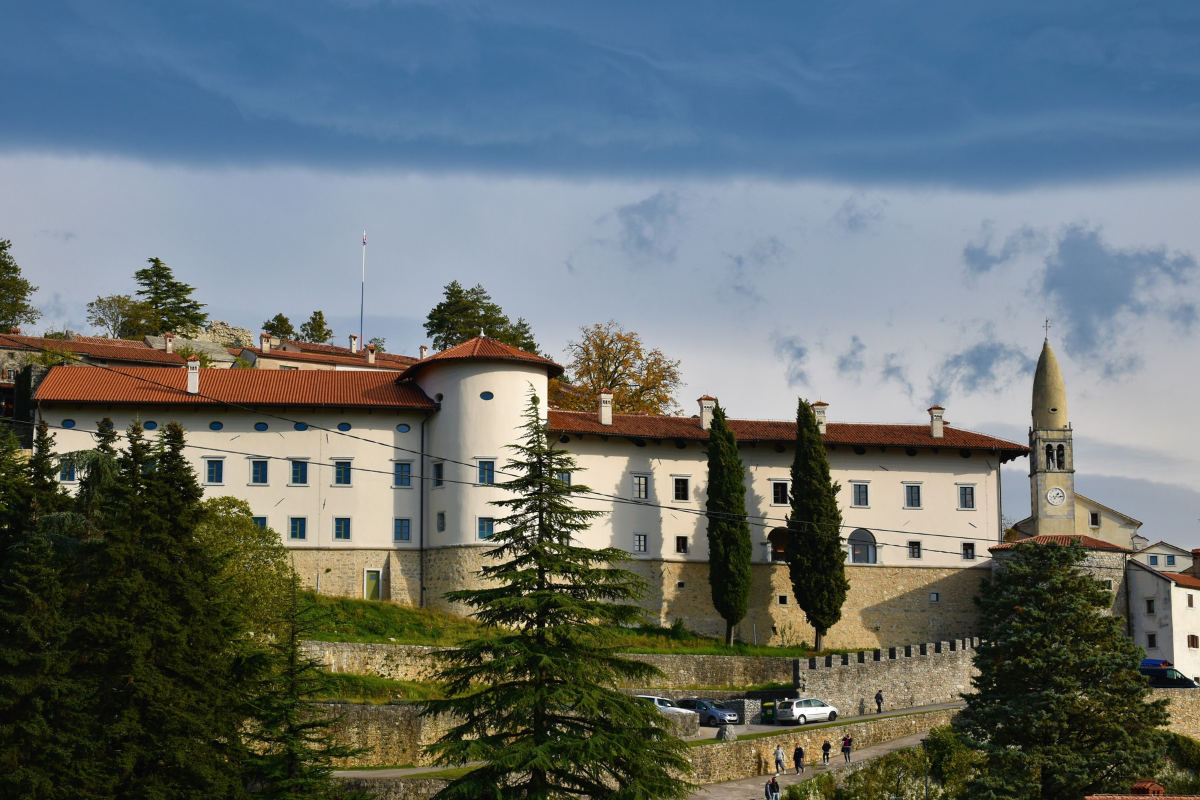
x=484 y=347
x=1087 y=542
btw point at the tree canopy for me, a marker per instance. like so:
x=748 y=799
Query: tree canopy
x=119 y=316
x=315 y=330
x=170 y=307
x=280 y=327
x=609 y=357
x=463 y=313
x=15 y=291
x=730 y=549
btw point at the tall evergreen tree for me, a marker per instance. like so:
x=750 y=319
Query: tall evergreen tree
x=315 y=330
x=15 y=291
x=1059 y=709
x=280 y=327
x=730 y=549
x=463 y=313
x=536 y=692
x=47 y=494
x=816 y=560
x=169 y=305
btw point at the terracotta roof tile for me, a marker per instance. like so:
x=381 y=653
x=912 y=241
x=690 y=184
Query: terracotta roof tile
x=484 y=347
x=333 y=349
x=359 y=362
x=145 y=385
x=750 y=430
x=1088 y=542
x=1183 y=579
x=94 y=347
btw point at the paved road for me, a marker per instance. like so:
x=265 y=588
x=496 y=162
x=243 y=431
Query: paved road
x=741 y=730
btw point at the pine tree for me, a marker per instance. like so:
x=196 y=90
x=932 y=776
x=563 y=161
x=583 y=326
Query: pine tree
x=816 y=560
x=294 y=748
x=169 y=305
x=535 y=694
x=315 y=330
x=1059 y=709
x=280 y=327
x=47 y=494
x=463 y=313
x=15 y=291
x=730 y=549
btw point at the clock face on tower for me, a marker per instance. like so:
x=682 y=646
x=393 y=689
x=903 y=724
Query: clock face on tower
x=1056 y=496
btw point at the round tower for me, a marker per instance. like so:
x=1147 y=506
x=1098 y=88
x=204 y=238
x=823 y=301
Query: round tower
x=1052 y=460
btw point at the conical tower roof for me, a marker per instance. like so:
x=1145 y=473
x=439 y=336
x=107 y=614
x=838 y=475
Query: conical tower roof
x=1049 y=393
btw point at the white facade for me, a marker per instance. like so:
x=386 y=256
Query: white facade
x=1165 y=615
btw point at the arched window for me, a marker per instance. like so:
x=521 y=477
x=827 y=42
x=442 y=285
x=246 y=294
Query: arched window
x=1062 y=457
x=778 y=540
x=1049 y=456
x=862 y=547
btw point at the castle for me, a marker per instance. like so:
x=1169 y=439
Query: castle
x=380 y=484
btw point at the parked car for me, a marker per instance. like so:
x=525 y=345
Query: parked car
x=712 y=712
x=802 y=711
x=1167 y=678
x=664 y=705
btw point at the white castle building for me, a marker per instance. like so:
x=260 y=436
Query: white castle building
x=381 y=483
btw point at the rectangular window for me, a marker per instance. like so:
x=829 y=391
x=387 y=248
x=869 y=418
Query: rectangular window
x=783 y=599
x=258 y=471
x=563 y=477
x=935 y=597
x=641 y=542
x=1108 y=584
x=914 y=549
x=441 y=521
x=402 y=531
x=300 y=472
x=912 y=496
x=862 y=495
x=1193 y=641
x=341 y=473
x=641 y=487
x=402 y=474
x=297 y=528
x=968 y=550
x=1154 y=561
x=439 y=475
x=681 y=544
x=372 y=585
x=1094 y=519
x=487 y=472
x=1152 y=641
x=487 y=526
x=259 y=522
x=779 y=493
x=681 y=489
x=1190 y=600
x=215 y=472
x=341 y=528
x=1149 y=605
x=1170 y=561
x=66 y=473
x=966 y=497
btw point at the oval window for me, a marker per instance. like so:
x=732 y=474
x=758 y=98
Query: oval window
x=486 y=395
x=260 y=426
x=343 y=426
x=68 y=423
x=301 y=426
x=215 y=426
x=403 y=428
x=151 y=425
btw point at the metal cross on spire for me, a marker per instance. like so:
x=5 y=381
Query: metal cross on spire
x=1047 y=327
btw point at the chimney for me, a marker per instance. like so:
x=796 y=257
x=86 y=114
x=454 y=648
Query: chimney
x=353 y=343
x=194 y=375
x=169 y=338
x=935 y=421
x=1152 y=788
x=606 y=407
x=424 y=352
x=370 y=354
x=264 y=340
x=819 y=411
x=15 y=329
x=706 y=411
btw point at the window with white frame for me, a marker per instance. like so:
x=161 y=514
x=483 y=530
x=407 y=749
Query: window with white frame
x=402 y=474
x=641 y=487
x=259 y=522
x=441 y=521
x=487 y=473
x=914 y=549
x=1154 y=561
x=912 y=495
x=298 y=528
x=439 y=475
x=487 y=527
x=779 y=493
x=1170 y=561
x=258 y=471
x=966 y=498
x=641 y=542
x=682 y=489
x=563 y=477
x=300 y=473
x=66 y=473
x=341 y=529
x=402 y=530
x=1094 y=519
x=1193 y=641
x=935 y=597
x=860 y=495
x=1151 y=641
x=968 y=551
x=214 y=471
x=341 y=473
x=681 y=544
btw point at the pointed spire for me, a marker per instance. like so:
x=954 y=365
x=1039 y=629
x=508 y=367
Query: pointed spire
x=1049 y=392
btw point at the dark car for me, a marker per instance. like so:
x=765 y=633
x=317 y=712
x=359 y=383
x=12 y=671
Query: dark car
x=712 y=712
x=1167 y=678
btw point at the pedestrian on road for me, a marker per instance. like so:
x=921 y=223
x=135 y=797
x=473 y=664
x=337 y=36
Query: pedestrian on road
x=847 y=743
x=879 y=702
x=767 y=790
x=798 y=757
x=773 y=789
x=825 y=748
x=779 y=757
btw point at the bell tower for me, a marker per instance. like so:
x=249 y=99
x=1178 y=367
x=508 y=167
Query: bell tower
x=1052 y=460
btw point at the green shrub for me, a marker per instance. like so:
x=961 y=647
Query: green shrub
x=822 y=787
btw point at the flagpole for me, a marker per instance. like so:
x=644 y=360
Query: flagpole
x=362 y=297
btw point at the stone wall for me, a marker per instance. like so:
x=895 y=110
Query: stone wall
x=1185 y=709
x=395 y=734
x=415 y=788
x=396 y=662
x=339 y=573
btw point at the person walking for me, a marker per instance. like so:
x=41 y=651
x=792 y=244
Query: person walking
x=825 y=748
x=767 y=790
x=798 y=758
x=779 y=757
x=773 y=789
x=847 y=744
x=879 y=702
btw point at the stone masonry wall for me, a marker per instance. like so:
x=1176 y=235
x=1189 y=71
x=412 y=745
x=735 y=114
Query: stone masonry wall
x=1185 y=709
x=340 y=572
x=396 y=734
x=398 y=662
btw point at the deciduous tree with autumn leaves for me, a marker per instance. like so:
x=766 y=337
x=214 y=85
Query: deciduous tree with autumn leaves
x=607 y=356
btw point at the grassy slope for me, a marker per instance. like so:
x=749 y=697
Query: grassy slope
x=348 y=620
x=369 y=689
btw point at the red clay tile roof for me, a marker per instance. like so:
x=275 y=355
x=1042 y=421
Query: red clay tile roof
x=1088 y=542
x=333 y=349
x=1183 y=579
x=325 y=358
x=94 y=347
x=145 y=385
x=750 y=430
x=484 y=347
x=106 y=340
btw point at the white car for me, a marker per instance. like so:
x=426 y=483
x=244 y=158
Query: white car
x=802 y=711
x=663 y=704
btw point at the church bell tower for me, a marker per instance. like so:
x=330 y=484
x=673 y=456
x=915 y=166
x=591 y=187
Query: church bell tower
x=1052 y=460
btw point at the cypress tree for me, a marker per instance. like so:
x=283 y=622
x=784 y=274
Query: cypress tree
x=1059 y=709
x=816 y=560
x=730 y=549
x=536 y=692
x=48 y=496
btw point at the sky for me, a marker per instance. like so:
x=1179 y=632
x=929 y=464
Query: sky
x=870 y=203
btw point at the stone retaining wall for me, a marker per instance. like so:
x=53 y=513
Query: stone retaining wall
x=396 y=788
x=1185 y=709
x=394 y=661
